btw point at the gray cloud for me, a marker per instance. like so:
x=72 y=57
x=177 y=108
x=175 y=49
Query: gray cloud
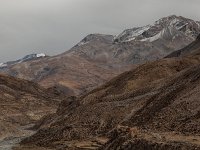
x=53 y=26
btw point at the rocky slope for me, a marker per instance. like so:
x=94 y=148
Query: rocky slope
x=154 y=106
x=69 y=73
x=138 y=45
x=190 y=49
x=22 y=103
x=98 y=58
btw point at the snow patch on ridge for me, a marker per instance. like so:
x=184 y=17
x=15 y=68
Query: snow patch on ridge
x=82 y=43
x=40 y=55
x=24 y=59
x=2 y=65
x=131 y=34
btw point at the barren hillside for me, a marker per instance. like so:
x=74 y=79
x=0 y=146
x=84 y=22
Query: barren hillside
x=155 y=106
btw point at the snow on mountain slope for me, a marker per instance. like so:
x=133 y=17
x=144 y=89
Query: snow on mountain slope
x=162 y=29
x=26 y=58
x=40 y=55
x=99 y=57
x=132 y=34
x=3 y=65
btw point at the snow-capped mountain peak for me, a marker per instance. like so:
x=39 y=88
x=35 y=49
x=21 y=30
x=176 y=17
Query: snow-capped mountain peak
x=40 y=55
x=161 y=29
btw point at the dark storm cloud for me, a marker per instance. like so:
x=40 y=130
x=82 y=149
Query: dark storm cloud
x=53 y=26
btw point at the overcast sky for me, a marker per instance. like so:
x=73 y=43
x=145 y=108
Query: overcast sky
x=54 y=26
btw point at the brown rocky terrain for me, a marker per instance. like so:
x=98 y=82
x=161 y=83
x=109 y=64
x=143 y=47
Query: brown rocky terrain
x=154 y=106
x=98 y=58
x=69 y=73
x=22 y=103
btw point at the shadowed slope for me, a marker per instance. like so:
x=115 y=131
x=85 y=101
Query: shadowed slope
x=22 y=103
x=190 y=49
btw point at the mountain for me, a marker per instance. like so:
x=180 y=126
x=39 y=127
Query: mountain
x=69 y=73
x=190 y=49
x=24 y=59
x=72 y=72
x=154 y=106
x=141 y=44
x=167 y=28
x=98 y=57
x=22 y=103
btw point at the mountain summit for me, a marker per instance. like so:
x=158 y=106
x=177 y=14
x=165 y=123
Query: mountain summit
x=168 y=28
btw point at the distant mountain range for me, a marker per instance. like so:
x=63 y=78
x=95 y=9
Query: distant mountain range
x=97 y=58
x=24 y=59
x=153 y=105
